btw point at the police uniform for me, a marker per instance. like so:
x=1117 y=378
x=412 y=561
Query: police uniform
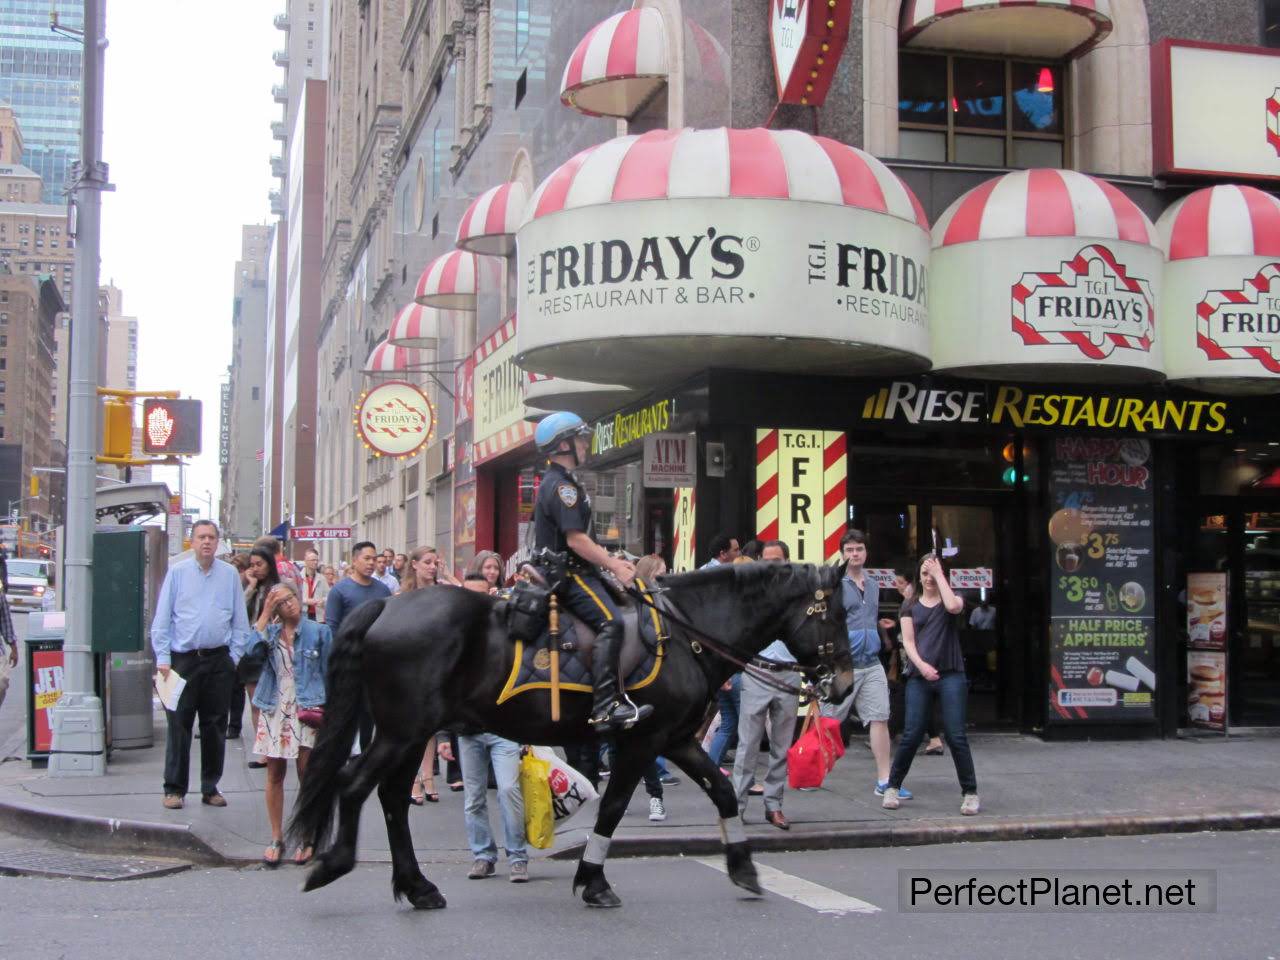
x=563 y=506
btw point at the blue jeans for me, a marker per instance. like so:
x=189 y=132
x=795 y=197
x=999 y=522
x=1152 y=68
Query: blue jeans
x=475 y=753
x=952 y=691
x=730 y=701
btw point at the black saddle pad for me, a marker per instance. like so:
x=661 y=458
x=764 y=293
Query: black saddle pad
x=642 y=656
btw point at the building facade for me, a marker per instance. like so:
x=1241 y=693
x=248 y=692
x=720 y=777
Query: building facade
x=241 y=440
x=29 y=308
x=892 y=326
x=40 y=79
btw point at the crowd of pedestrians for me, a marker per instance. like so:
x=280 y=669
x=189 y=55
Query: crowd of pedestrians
x=256 y=630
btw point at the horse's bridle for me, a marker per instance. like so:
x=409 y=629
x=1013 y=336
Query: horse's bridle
x=760 y=667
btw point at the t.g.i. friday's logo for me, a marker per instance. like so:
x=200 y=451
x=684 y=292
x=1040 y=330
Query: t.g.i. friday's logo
x=786 y=33
x=1243 y=324
x=1091 y=303
x=1273 y=120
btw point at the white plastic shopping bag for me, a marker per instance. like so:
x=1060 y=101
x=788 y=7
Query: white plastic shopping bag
x=570 y=790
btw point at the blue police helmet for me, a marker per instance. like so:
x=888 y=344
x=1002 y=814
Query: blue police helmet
x=556 y=427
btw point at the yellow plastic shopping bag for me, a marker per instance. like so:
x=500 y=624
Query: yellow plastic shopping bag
x=539 y=821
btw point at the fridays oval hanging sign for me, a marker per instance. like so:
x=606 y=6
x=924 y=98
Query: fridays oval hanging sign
x=395 y=419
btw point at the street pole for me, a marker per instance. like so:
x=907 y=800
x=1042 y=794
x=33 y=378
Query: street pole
x=79 y=747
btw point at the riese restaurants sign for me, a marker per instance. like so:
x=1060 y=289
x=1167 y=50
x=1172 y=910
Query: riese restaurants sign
x=929 y=402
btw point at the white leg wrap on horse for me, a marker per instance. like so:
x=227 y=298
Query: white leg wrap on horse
x=597 y=849
x=732 y=830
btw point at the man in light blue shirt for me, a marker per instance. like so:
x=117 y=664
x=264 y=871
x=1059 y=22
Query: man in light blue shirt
x=763 y=706
x=200 y=631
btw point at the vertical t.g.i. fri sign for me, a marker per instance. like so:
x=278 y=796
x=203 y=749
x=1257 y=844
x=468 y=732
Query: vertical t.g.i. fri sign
x=800 y=491
x=807 y=38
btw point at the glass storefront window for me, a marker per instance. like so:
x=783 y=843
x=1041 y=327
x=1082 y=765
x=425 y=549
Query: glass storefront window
x=1240 y=468
x=974 y=463
x=617 y=499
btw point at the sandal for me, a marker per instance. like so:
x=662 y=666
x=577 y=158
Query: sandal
x=456 y=786
x=277 y=846
x=414 y=797
x=300 y=860
x=429 y=791
x=933 y=751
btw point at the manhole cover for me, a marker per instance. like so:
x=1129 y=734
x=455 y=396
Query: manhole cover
x=84 y=866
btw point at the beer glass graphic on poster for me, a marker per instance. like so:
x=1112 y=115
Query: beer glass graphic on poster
x=1101 y=579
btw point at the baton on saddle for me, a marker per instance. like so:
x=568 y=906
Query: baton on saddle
x=553 y=617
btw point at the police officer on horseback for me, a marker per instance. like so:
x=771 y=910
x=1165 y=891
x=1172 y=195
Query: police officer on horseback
x=562 y=522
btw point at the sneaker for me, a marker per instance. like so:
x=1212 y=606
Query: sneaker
x=669 y=780
x=480 y=869
x=903 y=792
x=890 y=801
x=173 y=801
x=970 y=806
x=657 y=812
x=519 y=872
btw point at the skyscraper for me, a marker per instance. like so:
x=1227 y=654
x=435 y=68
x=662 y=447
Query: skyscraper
x=40 y=79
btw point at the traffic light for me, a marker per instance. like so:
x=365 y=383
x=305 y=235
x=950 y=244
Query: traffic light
x=35 y=486
x=117 y=429
x=171 y=428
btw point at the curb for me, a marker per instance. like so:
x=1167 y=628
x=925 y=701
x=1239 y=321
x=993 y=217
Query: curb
x=109 y=835
x=924 y=834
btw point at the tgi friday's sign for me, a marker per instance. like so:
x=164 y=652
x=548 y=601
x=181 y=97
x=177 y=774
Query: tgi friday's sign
x=395 y=419
x=1227 y=127
x=498 y=396
x=1027 y=303
x=1223 y=323
x=807 y=271
x=806 y=38
x=801 y=478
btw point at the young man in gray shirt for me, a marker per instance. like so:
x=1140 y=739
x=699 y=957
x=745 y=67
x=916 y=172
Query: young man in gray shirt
x=870 y=692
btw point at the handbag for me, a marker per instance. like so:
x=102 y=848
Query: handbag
x=249 y=669
x=815 y=751
x=312 y=717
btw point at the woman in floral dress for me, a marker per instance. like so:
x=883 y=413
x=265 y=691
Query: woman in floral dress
x=292 y=681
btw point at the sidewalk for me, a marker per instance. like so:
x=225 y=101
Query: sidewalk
x=1029 y=788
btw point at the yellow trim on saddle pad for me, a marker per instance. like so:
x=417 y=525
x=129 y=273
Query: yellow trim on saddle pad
x=510 y=689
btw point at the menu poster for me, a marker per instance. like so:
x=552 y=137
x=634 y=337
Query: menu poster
x=1207 y=611
x=1207 y=688
x=1102 y=580
x=1207 y=650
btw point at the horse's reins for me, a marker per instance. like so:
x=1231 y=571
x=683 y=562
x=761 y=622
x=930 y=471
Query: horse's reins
x=757 y=666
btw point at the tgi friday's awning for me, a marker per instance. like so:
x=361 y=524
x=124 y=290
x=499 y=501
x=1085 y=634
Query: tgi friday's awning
x=490 y=222
x=415 y=326
x=1046 y=273
x=1221 y=301
x=618 y=66
x=650 y=257
x=1031 y=28
x=448 y=282
x=386 y=359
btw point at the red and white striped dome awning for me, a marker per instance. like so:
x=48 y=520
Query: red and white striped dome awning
x=415 y=326
x=389 y=359
x=618 y=66
x=1222 y=221
x=1033 y=28
x=726 y=163
x=448 y=282
x=1043 y=203
x=490 y=223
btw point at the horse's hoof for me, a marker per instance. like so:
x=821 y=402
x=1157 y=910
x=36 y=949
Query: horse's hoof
x=749 y=883
x=319 y=876
x=742 y=872
x=428 y=900
x=601 y=898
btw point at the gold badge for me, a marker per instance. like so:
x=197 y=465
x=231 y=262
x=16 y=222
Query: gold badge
x=542 y=659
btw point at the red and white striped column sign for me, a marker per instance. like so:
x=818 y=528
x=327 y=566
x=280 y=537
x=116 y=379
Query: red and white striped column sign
x=801 y=478
x=683 y=530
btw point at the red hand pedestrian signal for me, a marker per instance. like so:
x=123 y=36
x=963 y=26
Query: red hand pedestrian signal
x=171 y=427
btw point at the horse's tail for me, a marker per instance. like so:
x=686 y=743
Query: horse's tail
x=312 y=819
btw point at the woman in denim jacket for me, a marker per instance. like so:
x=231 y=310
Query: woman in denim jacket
x=292 y=680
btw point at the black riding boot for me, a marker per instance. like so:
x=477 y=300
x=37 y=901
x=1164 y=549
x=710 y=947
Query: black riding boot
x=609 y=710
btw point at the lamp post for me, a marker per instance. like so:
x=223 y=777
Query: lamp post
x=79 y=747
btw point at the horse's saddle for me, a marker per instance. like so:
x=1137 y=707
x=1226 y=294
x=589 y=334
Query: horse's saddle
x=641 y=659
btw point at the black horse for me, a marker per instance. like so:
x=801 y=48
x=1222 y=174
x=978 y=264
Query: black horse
x=440 y=655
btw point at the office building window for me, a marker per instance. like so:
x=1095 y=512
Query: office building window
x=985 y=111
x=1271 y=23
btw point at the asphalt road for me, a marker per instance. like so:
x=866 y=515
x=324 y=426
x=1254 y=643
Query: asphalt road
x=837 y=903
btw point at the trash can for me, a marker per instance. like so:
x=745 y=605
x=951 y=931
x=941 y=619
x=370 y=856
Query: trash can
x=124 y=589
x=46 y=633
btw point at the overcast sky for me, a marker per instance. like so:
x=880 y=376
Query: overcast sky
x=187 y=136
